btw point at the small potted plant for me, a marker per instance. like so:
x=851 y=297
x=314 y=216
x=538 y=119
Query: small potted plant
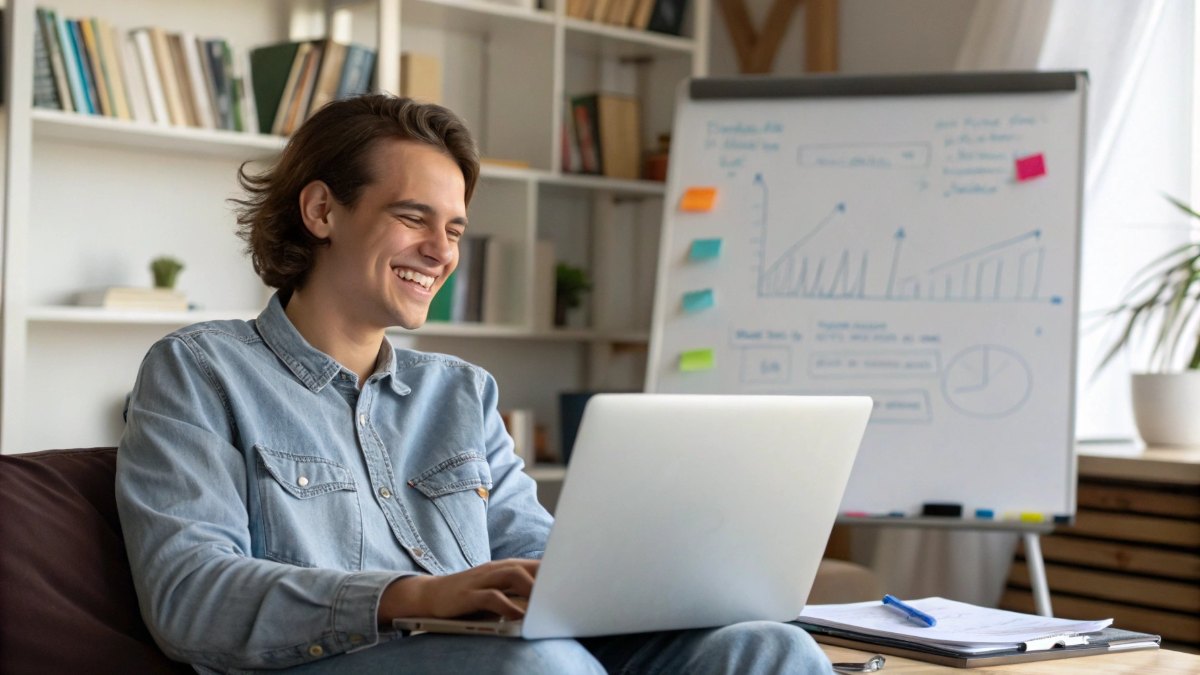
x=165 y=270
x=570 y=283
x=1163 y=306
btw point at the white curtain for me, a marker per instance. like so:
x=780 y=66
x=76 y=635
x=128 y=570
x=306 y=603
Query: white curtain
x=1138 y=54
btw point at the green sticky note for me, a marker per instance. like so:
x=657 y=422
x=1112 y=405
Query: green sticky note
x=704 y=249
x=696 y=360
x=695 y=301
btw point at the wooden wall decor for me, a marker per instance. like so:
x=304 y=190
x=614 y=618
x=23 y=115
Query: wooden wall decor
x=756 y=51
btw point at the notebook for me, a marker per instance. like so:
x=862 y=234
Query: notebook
x=688 y=511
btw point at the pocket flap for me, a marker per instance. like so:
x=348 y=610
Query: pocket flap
x=468 y=471
x=305 y=476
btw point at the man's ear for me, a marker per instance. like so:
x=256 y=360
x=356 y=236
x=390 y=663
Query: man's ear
x=316 y=208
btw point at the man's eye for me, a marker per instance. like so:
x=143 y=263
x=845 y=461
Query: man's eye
x=455 y=234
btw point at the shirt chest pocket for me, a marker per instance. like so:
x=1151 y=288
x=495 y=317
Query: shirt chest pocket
x=309 y=510
x=460 y=487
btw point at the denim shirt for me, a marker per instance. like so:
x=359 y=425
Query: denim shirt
x=267 y=502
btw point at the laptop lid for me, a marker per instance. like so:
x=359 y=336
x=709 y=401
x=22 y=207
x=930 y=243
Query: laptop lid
x=685 y=511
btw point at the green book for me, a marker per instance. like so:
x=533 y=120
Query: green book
x=269 y=69
x=442 y=305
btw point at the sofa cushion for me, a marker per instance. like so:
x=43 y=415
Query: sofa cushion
x=67 y=602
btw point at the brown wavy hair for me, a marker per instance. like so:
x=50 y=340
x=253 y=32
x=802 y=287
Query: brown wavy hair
x=333 y=146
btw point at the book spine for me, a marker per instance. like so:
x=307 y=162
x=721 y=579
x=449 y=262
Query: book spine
x=97 y=69
x=48 y=25
x=179 y=61
x=45 y=95
x=85 y=73
x=111 y=61
x=165 y=66
x=135 y=83
x=142 y=46
x=71 y=65
x=214 y=58
x=240 y=67
x=197 y=81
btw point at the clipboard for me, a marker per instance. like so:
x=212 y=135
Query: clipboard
x=1102 y=642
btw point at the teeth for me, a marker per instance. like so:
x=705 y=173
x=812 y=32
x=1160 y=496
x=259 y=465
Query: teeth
x=412 y=275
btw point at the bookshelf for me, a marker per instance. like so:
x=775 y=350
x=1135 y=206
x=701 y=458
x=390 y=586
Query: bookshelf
x=90 y=200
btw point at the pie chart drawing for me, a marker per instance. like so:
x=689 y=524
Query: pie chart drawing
x=987 y=381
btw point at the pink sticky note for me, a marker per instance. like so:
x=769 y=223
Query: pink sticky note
x=1030 y=167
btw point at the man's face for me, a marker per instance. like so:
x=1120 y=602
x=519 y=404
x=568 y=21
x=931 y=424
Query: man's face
x=390 y=254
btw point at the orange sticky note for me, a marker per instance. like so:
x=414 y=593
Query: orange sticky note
x=698 y=199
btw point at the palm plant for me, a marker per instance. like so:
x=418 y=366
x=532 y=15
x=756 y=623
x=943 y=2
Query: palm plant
x=1163 y=302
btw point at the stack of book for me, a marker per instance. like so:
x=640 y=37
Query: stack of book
x=478 y=290
x=606 y=138
x=133 y=298
x=292 y=80
x=661 y=16
x=147 y=75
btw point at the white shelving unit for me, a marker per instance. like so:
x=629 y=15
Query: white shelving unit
x=89 y=201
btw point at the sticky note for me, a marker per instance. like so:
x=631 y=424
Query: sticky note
x=696 y=360
x=1030 y=167
x=695 y=301
x=704 y=249
x=698 y=199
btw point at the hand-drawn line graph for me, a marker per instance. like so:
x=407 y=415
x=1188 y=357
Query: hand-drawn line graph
x=1009 y=270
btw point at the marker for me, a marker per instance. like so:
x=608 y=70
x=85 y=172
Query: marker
x=911 y=612
x=857 y=514
x=985 y=514
x=945 y=509
x=1032 y=517
x=1062 y=519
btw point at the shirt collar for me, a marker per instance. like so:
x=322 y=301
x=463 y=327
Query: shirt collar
x=310 y=365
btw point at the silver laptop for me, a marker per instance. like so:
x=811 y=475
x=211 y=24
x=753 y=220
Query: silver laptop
x=688 y=511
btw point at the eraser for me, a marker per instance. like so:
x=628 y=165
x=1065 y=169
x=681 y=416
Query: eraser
x=942 y=509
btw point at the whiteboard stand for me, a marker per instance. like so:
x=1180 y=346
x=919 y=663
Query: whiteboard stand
x=1030 y=532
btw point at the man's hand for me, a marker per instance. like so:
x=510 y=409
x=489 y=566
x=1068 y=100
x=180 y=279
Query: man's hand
x=490 y=587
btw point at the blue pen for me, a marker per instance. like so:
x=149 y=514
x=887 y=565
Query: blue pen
x=910 y=611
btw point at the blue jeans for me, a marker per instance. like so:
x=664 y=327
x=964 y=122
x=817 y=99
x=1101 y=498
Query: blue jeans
x=745 y=649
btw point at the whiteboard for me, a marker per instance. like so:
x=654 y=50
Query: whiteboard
x=913 y=238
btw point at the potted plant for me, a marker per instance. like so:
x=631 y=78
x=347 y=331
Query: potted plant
x=165 y=270
x=1163 y=306
x=570 y=283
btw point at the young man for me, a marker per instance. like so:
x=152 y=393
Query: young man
x=289 y=485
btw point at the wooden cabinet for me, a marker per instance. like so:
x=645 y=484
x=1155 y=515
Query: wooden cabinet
x=1133 y=553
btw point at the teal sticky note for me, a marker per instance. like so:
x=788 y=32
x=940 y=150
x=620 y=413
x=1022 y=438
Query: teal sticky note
x=704 y=249
x=696 y=360
x=695 y=301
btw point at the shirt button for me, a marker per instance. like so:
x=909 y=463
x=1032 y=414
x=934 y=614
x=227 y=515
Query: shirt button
x=385 y=493
x=418 y=553
x=302 y=481
x=316 y=650
x=362 y=420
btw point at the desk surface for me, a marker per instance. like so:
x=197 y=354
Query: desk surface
x=1127 y=461
x=1143 y=662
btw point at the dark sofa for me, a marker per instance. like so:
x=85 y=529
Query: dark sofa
x=67 y=603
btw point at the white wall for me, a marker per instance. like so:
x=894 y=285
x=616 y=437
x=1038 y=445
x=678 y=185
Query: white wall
x=875 y=36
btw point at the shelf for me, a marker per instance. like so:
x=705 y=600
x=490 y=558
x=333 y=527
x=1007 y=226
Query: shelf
x=514 y=332
x=598 y=39
x=475 y=16
x=632 y=188
x=97 y=130
x=71 y=314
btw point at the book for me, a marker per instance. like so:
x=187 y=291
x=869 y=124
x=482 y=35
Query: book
x=965 y=635
x=356 y=74
x=301 y=93
x=287 y=100
x=667 y=16
x=584 y=115
x=191 y=110
x=473 y=261
x=544 y=284
x=243 y=83
x=83 y=64
x=71 y=65
x=220 y=90
x=270 y=69
x=133 y=297
x=110 y=61
x=421 y=77
x=518 y=422
x=197 y=82
x=96 y=68
x=45 y=92
x=620 y=131
x=497 y=290
x=140 y=106
x=441 y=308
x=48 y=27
x=329 y=77
x=164 y=65
x=144 y=49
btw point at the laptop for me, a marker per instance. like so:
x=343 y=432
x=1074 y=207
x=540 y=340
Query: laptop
x=687 y=511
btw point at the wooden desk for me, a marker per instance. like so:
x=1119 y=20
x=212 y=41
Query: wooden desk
x=1144 y=662
x=1133 y=553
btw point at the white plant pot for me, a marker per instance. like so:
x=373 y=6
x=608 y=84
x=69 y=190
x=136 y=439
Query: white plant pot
x=1166 y=407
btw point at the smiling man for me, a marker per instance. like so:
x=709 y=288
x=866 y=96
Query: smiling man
x=289 y=485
